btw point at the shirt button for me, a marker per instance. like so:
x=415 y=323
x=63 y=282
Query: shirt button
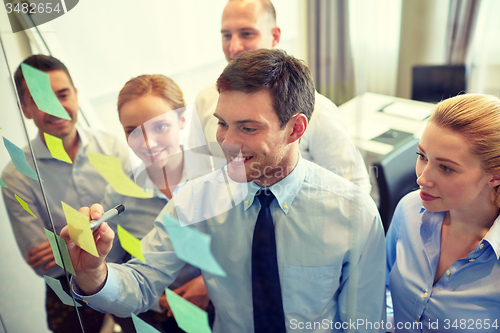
x=448 y=272
x=471 y=260
x=246 y=202
x=285 y=206
x=481 y=246
x=425 y=294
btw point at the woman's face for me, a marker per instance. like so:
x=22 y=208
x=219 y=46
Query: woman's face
x=151 y=127
x=450 y=177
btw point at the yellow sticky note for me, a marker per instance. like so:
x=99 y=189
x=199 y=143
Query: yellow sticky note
x=130 y=244
x=110 y=168
x=56 y=148
x=79 y=229
x=24 y=204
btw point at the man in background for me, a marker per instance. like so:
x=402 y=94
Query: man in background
x=251 y=24
x=76 y=184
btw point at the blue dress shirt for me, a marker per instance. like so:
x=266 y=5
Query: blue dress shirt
x=465 y=299
x=330 y=247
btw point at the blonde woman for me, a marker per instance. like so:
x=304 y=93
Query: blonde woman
x=443 y=245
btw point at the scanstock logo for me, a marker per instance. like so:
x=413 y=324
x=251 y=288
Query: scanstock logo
x=26 y=14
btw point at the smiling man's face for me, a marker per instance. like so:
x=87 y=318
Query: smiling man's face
x=248 y=123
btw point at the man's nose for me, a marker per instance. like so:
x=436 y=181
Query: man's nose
x=236 y=46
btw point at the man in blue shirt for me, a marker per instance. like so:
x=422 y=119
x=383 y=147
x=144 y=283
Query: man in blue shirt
x=329 y=242
x=249 y=25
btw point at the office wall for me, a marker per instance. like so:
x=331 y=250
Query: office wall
x=422 y=39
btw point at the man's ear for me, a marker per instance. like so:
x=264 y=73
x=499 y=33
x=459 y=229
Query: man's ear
x=298 y=126
x=276 y=33
x=494 y=180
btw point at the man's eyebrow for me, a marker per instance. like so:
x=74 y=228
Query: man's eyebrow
x=245 y=121
x=248 y=121
x=238 y=30
x=64 y=90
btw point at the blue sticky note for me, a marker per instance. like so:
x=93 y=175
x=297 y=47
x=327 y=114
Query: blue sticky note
x=141 y=326
x=38 y=84
x=2 y=183
x=19 y=160
x=55 y=285
x=192 y=246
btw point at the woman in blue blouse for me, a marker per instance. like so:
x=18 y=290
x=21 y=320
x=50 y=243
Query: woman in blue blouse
x=443 y=245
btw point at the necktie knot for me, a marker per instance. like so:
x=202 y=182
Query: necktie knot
x=265 y=197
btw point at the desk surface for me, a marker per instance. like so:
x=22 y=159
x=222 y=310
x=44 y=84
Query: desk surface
x=372 y=116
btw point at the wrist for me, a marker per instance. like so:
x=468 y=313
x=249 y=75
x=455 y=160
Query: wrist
x=92 y=281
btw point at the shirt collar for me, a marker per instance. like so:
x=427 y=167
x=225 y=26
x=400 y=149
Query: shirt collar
x=433 y=221
x=493 y=237
x=285 y=190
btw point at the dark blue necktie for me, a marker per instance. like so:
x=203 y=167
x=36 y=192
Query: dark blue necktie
x=268 y=316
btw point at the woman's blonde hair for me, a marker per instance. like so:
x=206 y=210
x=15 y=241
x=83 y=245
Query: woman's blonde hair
x=158 y=85
x=477 y=118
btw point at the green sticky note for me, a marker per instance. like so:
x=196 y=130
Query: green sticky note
x=54 y=240
x=55 y=285
x=25 y=205
x=56 y=148
x=79 y=229
x=143 y=327
x=2 y=183
x=130 y=244
x=19 y=159
x=189 y=317
x=38 y=84
x=110 y=168
x=192 y=246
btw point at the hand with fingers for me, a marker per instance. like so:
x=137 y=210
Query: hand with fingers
x=41 y=255
x=91 y=271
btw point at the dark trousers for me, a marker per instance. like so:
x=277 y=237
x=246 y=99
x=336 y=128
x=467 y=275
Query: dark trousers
x=63 y=318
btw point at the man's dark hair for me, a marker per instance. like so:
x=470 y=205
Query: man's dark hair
x=288 y=79
x=42 y=62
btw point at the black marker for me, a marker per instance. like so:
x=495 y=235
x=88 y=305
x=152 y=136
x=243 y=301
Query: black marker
x=94 y=224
